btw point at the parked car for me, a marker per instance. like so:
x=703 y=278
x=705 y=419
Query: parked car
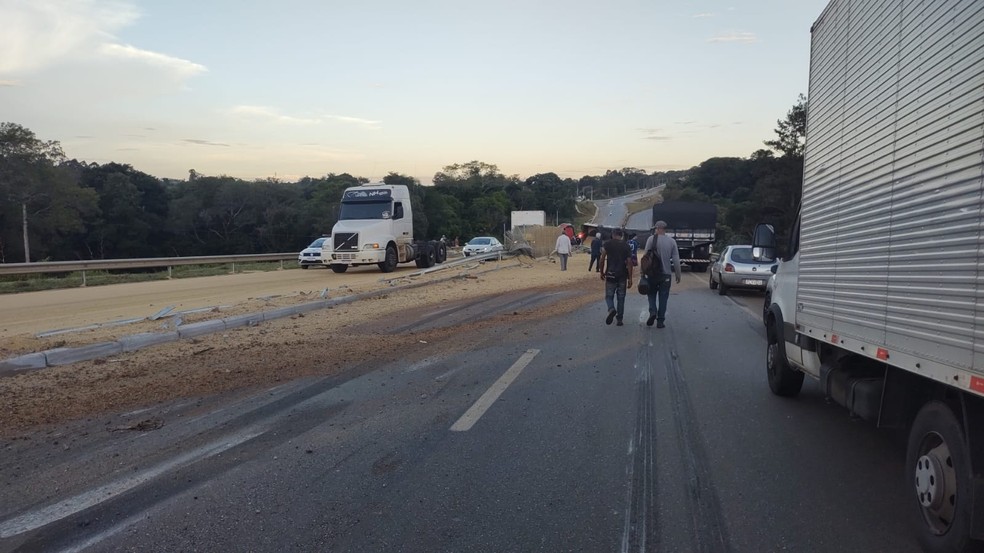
x=311 y=255
x=737 y=269
x=482 y=244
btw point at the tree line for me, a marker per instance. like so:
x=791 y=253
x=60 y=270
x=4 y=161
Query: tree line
x=53 y=208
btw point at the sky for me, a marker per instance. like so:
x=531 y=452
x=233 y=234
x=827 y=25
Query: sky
x=255 y=89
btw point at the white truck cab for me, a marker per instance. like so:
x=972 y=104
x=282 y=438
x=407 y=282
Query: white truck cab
x=375 y=226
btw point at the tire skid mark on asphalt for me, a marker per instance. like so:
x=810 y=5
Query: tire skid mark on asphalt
x=485 y=307
x=639 y=532
x=709 y=529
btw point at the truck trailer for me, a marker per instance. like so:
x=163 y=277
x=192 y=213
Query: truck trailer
x=879 y=293
x=692 y=225
x=375 y=227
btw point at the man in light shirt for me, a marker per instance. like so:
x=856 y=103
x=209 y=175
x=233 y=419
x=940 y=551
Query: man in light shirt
x=659 y=288
x=563 y=248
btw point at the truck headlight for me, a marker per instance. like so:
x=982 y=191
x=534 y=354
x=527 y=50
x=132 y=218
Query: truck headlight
x=371 y=247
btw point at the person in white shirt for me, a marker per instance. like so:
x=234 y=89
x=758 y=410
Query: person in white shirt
x=563 y=249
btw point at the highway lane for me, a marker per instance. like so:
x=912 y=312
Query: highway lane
x=614 y=212
x=606 y=439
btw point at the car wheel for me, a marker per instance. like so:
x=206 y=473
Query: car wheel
x=711 y=282
x=389 y=265
x=467 y=254
x=783 y=380
x=339 y=268
x=722 y=288
x=938 y=464
x=304 y=266
x=765 y=307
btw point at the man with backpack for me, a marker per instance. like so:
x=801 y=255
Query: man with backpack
x=616 y=271
x=667 y=258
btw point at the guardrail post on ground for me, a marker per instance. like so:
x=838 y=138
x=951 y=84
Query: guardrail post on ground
x=83 y=279
x=169 y=272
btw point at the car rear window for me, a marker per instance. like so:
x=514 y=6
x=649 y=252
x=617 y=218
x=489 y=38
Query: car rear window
x=744 y=255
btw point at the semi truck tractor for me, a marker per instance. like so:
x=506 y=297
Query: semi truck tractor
x=375 y=227
x=879 y=294
x=692 y=225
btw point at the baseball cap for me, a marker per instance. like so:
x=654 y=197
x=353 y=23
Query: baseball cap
x=659 y=224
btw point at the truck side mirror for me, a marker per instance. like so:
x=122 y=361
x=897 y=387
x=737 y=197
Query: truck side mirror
x=764 y=243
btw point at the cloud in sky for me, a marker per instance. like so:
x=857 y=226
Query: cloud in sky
x=741 y=38
x=40 y=34
x=702 y=15
x=273 y=114
x=10 y=83
x=201 y=142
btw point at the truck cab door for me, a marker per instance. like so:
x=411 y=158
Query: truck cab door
x=402 y=224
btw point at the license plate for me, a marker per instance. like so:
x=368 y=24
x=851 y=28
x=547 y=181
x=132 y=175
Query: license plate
x=752 y=282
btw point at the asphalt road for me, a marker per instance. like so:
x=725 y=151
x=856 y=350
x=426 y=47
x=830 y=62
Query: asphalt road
x=615 y=212
x=557 y=434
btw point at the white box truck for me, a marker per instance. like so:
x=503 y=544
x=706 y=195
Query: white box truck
x=375 y=227
x=528 y=219
x=879 y=294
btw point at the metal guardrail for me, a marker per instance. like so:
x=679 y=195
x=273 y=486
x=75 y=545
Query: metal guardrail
x=139 y=263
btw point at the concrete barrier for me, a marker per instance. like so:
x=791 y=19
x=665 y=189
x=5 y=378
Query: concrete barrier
x=67 y=356
x=28 y=362
x=200 y=329
x=147 y=339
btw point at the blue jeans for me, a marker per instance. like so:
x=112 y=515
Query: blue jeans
x=563 y=262
x=613 y=289
x=659 y=294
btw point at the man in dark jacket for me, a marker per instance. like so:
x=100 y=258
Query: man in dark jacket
x=595 y=253
x=616 y=272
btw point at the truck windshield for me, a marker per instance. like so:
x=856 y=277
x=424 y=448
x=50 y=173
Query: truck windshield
x=364 y=210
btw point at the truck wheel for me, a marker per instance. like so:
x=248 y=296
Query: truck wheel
x=711 y=282
x=938 y=468
x=442 y=252
x=430 y=256
x=339 y=268
x=783 y=380
x=389 y=265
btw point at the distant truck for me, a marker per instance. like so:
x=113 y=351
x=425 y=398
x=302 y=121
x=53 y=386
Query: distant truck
x=375 y=226
x=878 y=294
x=528 y=219
x=693 y=226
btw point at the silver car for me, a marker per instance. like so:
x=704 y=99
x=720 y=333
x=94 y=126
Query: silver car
x=482 y=244
x=311 y=255
x=736 y=269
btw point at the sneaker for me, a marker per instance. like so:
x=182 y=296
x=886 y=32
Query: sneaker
x=660 y=325
x=610 y=317
x=651 y=320
x=619 y=323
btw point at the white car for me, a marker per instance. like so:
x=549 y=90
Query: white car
x=482 y=244
x=311 y=255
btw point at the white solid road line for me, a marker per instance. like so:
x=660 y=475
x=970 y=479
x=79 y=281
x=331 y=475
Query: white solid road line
x=479 y=408
x=46 y=515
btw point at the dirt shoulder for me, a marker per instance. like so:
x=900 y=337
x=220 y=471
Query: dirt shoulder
x=320 y=343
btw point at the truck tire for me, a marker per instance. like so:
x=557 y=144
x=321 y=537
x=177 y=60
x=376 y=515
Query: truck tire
x=442 y=252
x=339 y=268
x=389 y=265
x=430 y=255
x=938 y=473
x=783 y=380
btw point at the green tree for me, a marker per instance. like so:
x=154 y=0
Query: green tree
x=791 y=131
x=43 y=196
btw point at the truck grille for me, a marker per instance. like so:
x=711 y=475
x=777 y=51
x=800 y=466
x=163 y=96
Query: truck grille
x=346 y=241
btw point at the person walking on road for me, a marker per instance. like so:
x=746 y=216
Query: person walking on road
x=563 y=249
x=634 y=248
x=659 y=277
x=596 y=243
x=616 y=271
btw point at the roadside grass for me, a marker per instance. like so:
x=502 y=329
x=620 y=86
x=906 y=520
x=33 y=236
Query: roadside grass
x=14 y=284
x=643 y=204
